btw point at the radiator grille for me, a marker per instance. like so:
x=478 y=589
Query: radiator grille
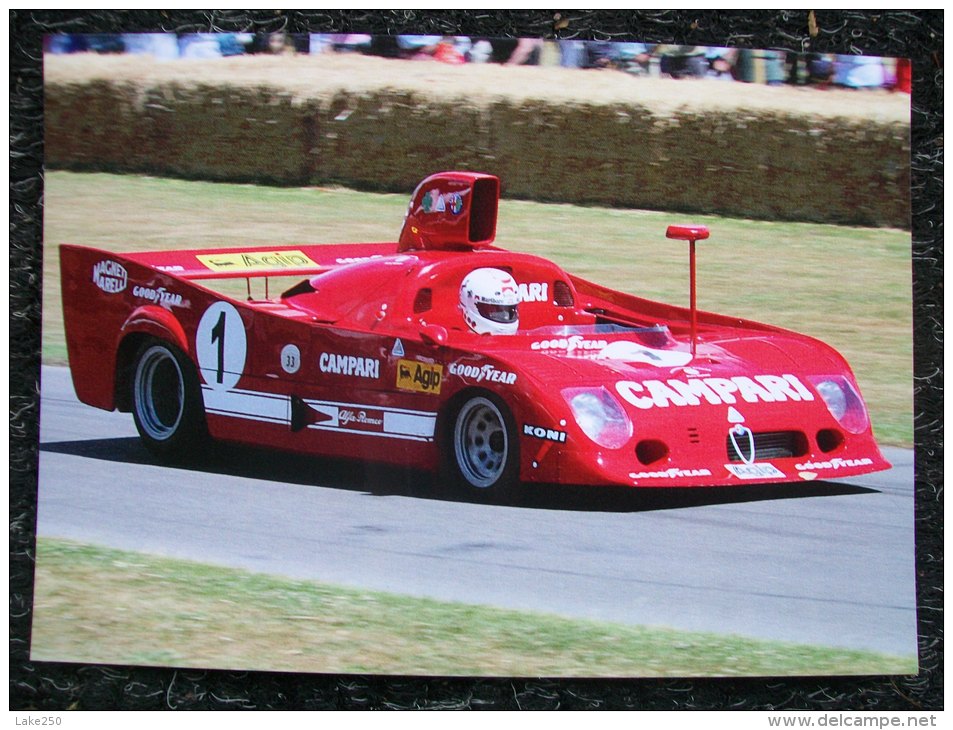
x=767 y=446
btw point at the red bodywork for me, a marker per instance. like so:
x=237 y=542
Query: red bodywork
x=367 y=355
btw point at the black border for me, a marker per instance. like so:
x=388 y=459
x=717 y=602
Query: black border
x=53 y=686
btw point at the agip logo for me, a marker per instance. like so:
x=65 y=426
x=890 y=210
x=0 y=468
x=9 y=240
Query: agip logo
x=110 y=276
x=421 y=377
x=256 y=260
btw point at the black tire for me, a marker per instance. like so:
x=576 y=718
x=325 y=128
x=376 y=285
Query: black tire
x=481 y=450
x=167 y=401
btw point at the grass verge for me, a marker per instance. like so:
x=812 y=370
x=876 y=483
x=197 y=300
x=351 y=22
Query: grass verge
x=850 y=287
x=101 y=605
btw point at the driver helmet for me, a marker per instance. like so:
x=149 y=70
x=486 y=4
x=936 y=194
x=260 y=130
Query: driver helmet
x=488 y=300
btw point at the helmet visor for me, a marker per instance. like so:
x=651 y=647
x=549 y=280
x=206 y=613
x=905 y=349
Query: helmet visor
x=502 y=313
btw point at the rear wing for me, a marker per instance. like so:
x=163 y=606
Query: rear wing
x=258 y=261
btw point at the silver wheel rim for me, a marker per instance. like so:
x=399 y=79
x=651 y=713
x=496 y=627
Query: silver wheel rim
x=481 y=443
x=159 y=391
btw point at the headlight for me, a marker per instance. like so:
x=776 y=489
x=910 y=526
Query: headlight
x=600 y=416
x=834 y=397
x=842 y=401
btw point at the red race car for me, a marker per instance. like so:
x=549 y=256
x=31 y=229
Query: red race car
x=444 y=352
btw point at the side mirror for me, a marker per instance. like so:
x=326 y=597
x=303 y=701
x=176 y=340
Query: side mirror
x=687 y=232
x=434 y=335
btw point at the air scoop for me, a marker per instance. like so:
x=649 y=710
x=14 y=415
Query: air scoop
x=690 y=233
x=451 y=211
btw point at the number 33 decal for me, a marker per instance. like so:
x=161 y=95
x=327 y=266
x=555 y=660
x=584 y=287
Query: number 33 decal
x=221 y=346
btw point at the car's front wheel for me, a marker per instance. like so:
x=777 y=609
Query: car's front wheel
x=484 y=452
x=167 y=400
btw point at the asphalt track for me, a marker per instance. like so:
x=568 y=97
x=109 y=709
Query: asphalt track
x=819 y=563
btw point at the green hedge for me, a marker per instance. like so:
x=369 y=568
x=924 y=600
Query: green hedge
x=759 y=165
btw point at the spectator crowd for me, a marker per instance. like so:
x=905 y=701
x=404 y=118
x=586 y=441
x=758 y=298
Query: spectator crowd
x=773 y=67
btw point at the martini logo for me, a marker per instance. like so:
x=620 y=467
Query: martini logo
x=110 y=277
x=419 y=376
x=716 y=391
x=257 y=261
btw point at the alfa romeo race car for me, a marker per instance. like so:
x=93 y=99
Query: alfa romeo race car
x=445 y=352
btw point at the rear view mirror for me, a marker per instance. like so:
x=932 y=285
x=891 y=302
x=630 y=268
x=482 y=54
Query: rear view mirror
x=433 y=334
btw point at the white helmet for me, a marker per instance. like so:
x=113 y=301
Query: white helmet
x=488 y=300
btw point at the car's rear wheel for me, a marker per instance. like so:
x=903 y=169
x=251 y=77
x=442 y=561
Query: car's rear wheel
x=484 y=458
x=167 y=400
